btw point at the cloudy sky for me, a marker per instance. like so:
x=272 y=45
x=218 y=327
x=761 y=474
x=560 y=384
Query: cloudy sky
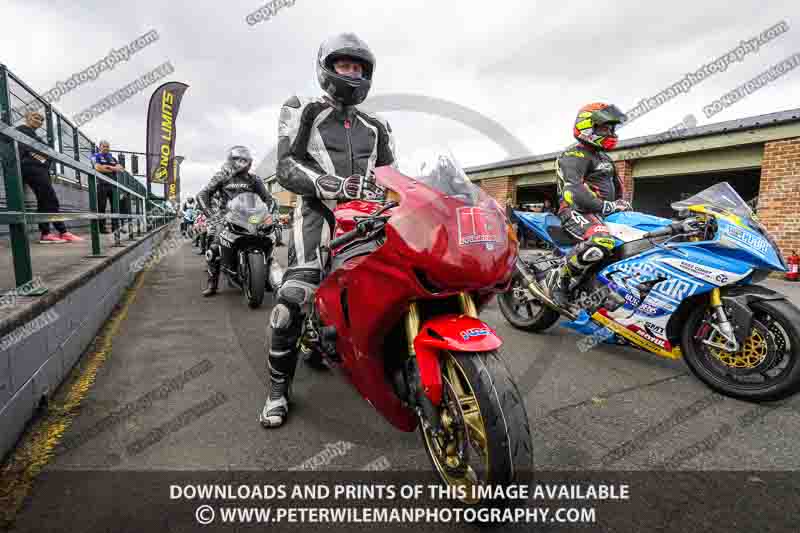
x=528 y=65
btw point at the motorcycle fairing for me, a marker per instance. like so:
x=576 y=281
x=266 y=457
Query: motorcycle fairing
x=752 y=246
x=646 y=313
x=247 y=211
x=379 y=309
x=638 y=336
x=585 y=325
x=701 y=263
x=366 y=297
x=456 y=333
x=688 y=269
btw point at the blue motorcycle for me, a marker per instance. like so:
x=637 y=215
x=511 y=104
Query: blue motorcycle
x=684 y=288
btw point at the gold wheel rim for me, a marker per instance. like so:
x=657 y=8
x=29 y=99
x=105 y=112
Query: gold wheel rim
x=752 y=354
x=455 y=379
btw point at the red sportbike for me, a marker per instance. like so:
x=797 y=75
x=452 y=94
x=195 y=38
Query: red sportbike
x=397 y=311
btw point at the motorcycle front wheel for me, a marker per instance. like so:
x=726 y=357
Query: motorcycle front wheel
x=767 y=365
x=255 y=280
x=486 y=437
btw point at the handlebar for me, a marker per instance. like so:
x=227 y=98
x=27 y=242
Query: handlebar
x=667 y=230
x=362 y=228
x=348 y=237
x=685 y=226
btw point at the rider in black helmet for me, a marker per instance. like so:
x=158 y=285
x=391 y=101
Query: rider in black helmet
x=232 y=179
x=589 y=189
x=327 y=150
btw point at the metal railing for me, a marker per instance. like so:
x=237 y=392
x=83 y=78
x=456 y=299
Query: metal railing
x=67 y=148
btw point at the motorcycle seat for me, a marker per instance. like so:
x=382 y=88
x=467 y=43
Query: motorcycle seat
x=558 y=235
x=551 y=224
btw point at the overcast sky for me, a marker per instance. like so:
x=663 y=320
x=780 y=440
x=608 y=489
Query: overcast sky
x=528 y=65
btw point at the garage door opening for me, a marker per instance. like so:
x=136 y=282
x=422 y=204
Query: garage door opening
x=533 y=197
x=654 y=195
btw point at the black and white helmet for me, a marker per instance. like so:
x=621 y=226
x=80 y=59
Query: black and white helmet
x=239 y=160
x=344 y=89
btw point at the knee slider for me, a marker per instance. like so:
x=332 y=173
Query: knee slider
x=592 y=254
x=296 y=292
x=590 y=251
x=213 y=253
x=308 y=276
x=282 y=316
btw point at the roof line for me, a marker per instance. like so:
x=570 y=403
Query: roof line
x=758 y=121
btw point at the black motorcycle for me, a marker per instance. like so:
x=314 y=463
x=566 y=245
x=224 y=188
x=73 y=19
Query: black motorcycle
x=246 y=240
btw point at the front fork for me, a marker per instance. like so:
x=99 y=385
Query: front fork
x=722 y=326
x=468 y=308
x=417 y=394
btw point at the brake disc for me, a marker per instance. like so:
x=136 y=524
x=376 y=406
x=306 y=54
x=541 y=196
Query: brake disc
x=758 y=351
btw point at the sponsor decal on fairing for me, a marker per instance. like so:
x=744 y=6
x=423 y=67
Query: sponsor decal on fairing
x=663 y=343
x=747 y=239
x=478 y=226
x=654 y=329
x=467 y=334
x=674 y=288
x=706 y=273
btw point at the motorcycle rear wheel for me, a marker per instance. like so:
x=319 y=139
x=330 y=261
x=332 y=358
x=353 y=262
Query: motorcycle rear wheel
x=483 y=415
x=521 y=313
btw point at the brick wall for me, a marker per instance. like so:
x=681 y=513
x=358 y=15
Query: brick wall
x=779 y=195
x=625 y=171
x=500 y=188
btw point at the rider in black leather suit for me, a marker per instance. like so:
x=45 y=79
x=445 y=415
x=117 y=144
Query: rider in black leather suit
x=231 y=180
x=590 y=189
x=327 y=150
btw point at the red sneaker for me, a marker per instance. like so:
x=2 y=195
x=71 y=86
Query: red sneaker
x=51 y=239
x=71 y=237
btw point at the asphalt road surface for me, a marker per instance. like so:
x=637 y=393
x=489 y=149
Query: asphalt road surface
x=185 y=381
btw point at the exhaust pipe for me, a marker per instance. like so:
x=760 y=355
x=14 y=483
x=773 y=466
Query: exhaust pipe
x=533 y=286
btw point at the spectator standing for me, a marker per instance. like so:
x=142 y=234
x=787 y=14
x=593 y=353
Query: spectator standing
x=124 y=208
x=106 y=164
x=36 y=175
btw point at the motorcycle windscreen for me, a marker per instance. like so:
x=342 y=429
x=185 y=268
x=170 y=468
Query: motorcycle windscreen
x=454 y=232
x=721 y=196
x=248 y=211
x=725 y=199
